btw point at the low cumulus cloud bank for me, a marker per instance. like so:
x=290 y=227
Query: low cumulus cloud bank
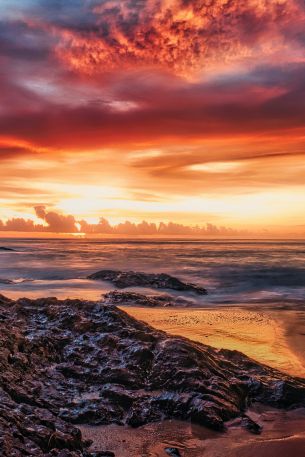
x=54 y=222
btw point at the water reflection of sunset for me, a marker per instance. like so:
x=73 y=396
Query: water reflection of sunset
x=258 y=334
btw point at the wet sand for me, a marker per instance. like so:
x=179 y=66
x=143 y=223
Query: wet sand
x=294 y=324
x=274 y=337
x=283 y=434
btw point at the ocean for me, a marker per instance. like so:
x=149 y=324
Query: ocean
x=238 y=271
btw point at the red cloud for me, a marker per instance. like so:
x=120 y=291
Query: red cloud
x=169 y=113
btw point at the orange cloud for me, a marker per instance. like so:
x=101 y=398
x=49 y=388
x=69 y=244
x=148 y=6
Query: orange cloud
x=183 y=36
x=56 y=222
x=60 y=223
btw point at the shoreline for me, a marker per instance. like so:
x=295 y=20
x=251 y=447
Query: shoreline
x=294 y=324
x=279 y=343
x=274 y=337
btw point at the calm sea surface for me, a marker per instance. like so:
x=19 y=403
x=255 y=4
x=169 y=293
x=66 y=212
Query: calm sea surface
x=232 y=271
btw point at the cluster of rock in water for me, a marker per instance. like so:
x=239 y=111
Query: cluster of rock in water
x=116 y=297
x=124 y=279
x=70 y=362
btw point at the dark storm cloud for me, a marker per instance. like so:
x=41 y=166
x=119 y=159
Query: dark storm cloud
x=20 y=42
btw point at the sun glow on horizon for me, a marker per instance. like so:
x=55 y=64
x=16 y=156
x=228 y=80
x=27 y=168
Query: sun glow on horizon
x=244 y=210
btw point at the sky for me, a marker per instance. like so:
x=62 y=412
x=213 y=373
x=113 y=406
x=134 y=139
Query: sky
x=183 y=111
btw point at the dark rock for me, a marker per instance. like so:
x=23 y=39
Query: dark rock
x=3 y=248
x=172 y=451
x=103 y=454
x=4 y=300
x=251 y=425
x=123 y=279
x=65 y=362
x=115 y=297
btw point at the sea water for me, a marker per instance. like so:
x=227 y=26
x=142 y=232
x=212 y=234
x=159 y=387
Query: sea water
x=233 y=271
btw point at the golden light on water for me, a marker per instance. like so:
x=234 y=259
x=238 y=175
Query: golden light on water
x=258 y=334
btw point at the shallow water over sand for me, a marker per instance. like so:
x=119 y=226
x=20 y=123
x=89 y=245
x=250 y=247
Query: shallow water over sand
x=283 y=435
x=260 y=334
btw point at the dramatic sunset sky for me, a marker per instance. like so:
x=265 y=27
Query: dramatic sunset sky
x=190 y=111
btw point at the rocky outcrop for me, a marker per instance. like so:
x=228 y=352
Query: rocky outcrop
x=123 y=279
x=116 y=297
x=70 y=362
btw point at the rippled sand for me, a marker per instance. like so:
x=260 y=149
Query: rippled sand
x=273 y=337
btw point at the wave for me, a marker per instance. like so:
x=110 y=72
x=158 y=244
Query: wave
x=15 y=281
